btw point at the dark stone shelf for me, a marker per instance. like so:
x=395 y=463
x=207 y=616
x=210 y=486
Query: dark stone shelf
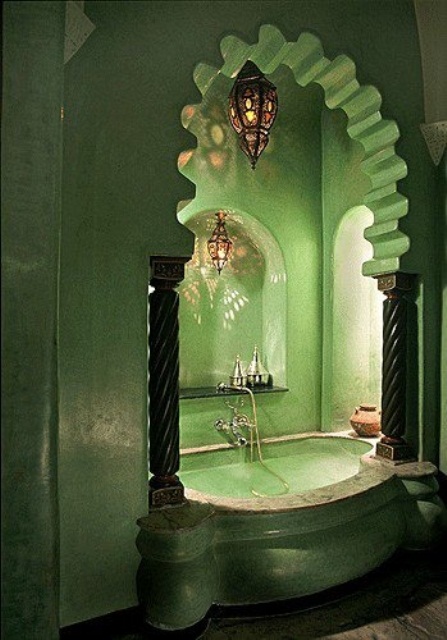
x=211 y=392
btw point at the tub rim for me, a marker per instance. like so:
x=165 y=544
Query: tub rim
x=366 y=479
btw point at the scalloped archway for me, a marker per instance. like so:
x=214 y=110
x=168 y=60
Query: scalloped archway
x=361 y=105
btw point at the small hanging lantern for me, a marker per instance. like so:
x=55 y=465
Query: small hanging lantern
x=253 y=104
x=220 y=245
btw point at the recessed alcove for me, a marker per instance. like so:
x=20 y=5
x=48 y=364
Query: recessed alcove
x=222 y=316
x=352 y=339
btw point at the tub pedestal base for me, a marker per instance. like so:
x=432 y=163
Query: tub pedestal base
x=176 y=580
x=424 y=512
x=236 y=551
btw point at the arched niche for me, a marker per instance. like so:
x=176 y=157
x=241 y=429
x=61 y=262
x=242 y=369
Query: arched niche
x=329 y=130
x=352 y=349
x=361 y=105
x=222 y=316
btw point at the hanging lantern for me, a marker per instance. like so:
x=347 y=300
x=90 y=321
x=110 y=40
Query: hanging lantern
x=253 y=104
x=220 y=245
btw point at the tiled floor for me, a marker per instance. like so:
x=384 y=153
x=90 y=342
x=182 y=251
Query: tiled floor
x=405 y=599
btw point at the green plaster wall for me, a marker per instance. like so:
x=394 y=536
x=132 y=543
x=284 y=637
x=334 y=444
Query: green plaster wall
x=31 y=170
x=120 y=192
x=121 y=187
x=424 y=188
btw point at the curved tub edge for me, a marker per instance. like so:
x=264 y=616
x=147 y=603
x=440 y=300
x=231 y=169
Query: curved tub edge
x=247 y=551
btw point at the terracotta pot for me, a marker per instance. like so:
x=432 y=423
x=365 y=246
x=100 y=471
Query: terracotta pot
x=366 y=420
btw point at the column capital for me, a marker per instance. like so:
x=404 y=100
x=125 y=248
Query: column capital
x=397 y=282
x=167 y=271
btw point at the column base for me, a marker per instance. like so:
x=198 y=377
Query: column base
x=165 y=491
x=396 y=452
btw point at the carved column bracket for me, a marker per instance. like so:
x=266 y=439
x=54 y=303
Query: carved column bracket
x=167 y=272
x=165 y=487
x=392 y=445
x=397 y=282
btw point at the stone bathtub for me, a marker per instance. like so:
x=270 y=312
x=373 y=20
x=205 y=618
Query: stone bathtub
x=339 y=514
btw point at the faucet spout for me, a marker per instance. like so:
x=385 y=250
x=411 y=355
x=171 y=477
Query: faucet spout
x=239 y=421
x=242 y=420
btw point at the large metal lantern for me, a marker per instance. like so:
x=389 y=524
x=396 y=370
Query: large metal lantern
x=253 y=104
x=220 y=245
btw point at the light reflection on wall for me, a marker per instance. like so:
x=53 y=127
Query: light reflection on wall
x=209 y=122
x=275 y=278
x=234 y=301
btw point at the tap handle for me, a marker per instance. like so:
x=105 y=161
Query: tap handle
x=220 y=425
x=244 y=420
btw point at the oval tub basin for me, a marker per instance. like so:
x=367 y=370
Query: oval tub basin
x=305 y=464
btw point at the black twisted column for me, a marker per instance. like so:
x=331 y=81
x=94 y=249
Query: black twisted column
x=165 y=487
x=392 y=445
